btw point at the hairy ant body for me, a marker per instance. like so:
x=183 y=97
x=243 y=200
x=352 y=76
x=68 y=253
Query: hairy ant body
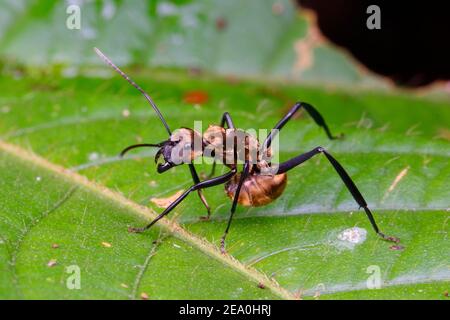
x=257 y=184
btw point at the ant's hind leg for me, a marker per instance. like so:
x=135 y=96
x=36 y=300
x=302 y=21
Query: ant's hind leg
x=244 y=175
x=317 y=117
x=201 y=185
x=294 y=162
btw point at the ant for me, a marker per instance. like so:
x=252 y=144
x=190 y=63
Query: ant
x=257 y=184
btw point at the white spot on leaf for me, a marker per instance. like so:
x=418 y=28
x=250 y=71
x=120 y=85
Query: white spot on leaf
x=126 y=113
x=350 y=237
x=93 y=156
x=353 y=235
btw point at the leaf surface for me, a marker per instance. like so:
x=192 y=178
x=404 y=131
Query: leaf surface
x=396 y=148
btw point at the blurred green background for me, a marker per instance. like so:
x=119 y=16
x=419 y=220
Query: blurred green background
x=262 y=39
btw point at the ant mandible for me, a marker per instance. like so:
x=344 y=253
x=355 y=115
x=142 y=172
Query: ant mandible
x=250 y=187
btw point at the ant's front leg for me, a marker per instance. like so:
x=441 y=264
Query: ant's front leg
x=201 y=185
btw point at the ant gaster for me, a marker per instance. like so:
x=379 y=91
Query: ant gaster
x=250 y=187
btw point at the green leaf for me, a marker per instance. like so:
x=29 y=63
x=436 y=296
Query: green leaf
x=254 y=38
x=55 y=221
x=396 y=148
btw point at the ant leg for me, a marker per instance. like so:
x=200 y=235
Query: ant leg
x=199 y=191
x=317 y=117
x=191 y=167
x=226 y=119
x=290 y=164
x=201 y=185
x=244 y=175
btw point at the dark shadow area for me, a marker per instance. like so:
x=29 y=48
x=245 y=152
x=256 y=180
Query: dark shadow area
x=412 y=47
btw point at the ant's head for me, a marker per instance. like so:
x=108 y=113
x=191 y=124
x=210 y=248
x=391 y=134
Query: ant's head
x=165 y=152
x=183 y=147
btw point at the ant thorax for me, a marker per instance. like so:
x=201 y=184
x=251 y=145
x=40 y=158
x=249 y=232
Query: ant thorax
x=229 y=146
x=233 y=146
x=187 y=145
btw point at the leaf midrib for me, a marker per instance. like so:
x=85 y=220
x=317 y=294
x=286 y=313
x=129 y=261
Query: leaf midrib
x=171 y=226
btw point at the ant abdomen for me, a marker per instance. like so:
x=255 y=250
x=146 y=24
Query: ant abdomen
x=257 y=190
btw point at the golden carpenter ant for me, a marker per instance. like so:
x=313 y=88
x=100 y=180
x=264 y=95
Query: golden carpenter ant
x=256 y=185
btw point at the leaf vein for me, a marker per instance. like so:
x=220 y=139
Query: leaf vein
x=174 y=228
x=34 y=222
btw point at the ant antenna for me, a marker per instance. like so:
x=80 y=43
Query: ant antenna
x=134 y=84
x=140 y=145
